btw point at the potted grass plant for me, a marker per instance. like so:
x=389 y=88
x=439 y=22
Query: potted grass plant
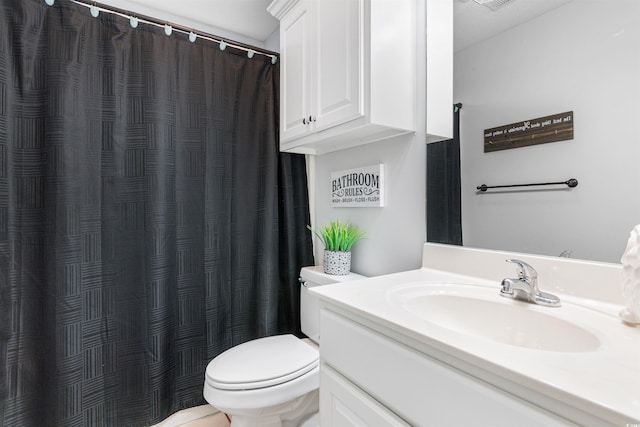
x=337 y=237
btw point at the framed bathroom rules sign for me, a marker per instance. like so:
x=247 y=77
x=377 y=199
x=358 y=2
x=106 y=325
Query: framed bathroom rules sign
x=358 y=188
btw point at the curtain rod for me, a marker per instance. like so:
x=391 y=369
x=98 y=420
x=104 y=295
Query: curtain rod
x=134 y=19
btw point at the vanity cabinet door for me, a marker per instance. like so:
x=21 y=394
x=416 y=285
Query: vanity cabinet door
x=344 y=405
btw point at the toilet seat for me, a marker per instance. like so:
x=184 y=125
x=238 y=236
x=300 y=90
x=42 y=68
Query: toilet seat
x=260 y=363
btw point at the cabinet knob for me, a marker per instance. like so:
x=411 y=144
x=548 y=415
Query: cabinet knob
x=304 y=120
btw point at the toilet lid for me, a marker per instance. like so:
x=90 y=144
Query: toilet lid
x=263 y=362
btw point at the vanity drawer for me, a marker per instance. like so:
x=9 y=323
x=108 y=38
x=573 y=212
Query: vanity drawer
x=345 y=405
x=419 y=389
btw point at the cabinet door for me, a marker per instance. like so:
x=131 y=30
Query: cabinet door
x=339 y=62
x=296 y=44
x=344 y=405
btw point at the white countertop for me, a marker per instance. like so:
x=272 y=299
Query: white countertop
x=604 y=383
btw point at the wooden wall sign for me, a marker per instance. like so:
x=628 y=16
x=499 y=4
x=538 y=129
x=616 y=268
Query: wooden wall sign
x=558 y=127
x=358 y=188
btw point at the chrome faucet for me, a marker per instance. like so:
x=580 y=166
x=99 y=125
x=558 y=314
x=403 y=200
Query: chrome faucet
x=525 y=287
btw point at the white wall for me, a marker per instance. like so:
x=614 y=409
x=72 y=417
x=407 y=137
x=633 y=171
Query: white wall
x=395 y=232
x=272 y=42
x=582 y=57
x=161 y=15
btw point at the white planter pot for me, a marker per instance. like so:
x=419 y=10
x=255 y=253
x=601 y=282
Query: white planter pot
x=337 y=263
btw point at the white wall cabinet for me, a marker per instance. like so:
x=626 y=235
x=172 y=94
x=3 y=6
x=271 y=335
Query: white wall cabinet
x=365 y=373
x=321 y=66
x=348 y=72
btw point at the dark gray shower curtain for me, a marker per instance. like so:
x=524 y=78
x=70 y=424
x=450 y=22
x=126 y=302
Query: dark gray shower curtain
x=444 y=199
x=147 y=220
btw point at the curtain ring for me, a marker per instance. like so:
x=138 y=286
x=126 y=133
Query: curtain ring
x=94 y=10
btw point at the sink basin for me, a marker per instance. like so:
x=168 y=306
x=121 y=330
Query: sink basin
x=480 y=312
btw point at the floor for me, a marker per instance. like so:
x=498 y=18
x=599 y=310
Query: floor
x=215 y=420
x=200 y=416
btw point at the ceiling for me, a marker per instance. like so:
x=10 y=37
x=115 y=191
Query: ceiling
x=250 y=19
x=474 y=23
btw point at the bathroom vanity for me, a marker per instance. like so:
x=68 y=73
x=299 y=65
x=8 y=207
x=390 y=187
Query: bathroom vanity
x=439 y=346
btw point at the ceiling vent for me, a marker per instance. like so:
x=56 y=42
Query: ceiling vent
x=493 y=4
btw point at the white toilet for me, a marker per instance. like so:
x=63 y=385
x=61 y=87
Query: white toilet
x=273 y=381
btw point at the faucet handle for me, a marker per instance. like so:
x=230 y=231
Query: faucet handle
x=525 y=271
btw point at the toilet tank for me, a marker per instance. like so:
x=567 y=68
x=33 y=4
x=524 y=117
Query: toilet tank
x=309 y=305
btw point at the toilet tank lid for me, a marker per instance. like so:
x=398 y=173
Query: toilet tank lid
x=262 y=362
x=315 y=274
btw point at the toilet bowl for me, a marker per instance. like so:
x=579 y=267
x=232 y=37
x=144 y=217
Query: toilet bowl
x=273 y=381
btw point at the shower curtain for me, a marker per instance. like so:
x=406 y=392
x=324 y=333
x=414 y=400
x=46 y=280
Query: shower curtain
x=444 y=199
x=147 y=220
